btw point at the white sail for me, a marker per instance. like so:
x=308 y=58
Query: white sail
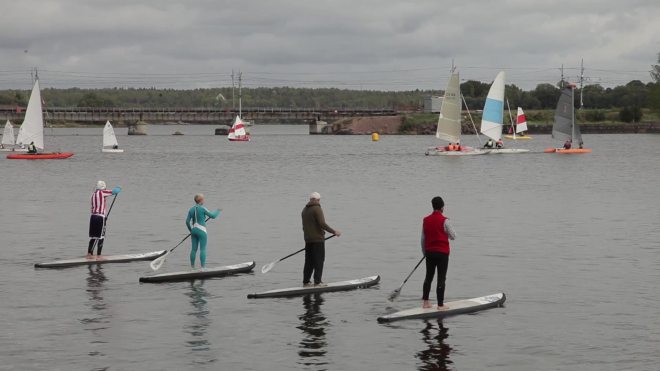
x=109 y=139
x=32 y=129
x=491 y=121
x=8 y=135
x=237 y=129
x=449 y=122
x=521 y=121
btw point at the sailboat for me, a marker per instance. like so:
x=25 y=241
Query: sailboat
x=449 y=123
x=32 y=130
x=492 y=121
x=109 y=140
x=521 y=126
x=237 y=132
x=8 y=142
x=565 y=127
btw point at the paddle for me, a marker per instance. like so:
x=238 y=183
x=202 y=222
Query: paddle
x=270 y=266
x=395 y=294
x=156 y=264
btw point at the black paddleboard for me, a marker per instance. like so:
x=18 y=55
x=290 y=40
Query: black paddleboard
x=335 y=286
x=199 y=274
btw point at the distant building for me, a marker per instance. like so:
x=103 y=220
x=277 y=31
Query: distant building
x=432 y=103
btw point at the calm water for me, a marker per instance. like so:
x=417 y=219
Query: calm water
x=571 y=240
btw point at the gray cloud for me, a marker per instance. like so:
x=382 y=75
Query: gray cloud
x=334 y=43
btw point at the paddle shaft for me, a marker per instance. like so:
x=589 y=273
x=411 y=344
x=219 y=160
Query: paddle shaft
x=413 y=271
x=299 y=251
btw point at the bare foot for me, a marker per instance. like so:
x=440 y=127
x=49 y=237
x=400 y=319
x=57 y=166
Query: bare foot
x=442 y=307
x=99 y=257
x=426 y=304
x=89 y=256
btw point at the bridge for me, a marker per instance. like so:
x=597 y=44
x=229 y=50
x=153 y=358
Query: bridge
x=196 y=114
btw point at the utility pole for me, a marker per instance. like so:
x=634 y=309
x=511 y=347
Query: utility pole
x=240 y=94
x=233 y=100
x=581 y=80
x=453 y=68
x=562 y=76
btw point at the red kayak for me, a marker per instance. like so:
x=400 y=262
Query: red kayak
x=49 y=156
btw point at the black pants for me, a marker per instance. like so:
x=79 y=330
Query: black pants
x=440 y=261
x=314 y=259
x=99 y=246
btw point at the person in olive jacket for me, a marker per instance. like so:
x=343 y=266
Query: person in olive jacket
x=314 y=227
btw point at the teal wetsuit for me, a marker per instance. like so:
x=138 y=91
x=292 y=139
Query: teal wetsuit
x=197 y=215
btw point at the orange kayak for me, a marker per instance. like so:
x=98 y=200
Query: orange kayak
x=561 y=150
x=50 y=156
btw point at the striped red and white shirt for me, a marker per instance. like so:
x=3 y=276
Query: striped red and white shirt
x=98 y=201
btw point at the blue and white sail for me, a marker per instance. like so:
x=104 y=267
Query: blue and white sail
x=491 y=121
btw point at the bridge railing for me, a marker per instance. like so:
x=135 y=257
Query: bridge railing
x=210 y=110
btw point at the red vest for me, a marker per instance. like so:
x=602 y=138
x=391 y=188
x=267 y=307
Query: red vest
x=435 y=237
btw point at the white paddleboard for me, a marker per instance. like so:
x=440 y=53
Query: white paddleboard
x=110 y=259
x=199 y=274
x=335 y=286
x=455 y=307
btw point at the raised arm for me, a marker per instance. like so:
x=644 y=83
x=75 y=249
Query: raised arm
x=449 y=230
x=210 y=214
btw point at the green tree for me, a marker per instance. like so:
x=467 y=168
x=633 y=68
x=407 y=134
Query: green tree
x=653 y=94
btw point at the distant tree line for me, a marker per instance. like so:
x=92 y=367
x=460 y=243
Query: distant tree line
x=634 y=95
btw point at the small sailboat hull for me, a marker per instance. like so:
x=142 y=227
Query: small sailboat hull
x=110 y=150
x=50 y=156
x=562 y=150
x=246 y=139
x=507 y=150
x=463 y=152
x=511 y=137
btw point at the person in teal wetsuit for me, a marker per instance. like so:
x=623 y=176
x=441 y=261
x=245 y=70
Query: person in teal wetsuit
x=196 y=223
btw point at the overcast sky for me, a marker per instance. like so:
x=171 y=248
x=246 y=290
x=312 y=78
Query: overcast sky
x=368 y=44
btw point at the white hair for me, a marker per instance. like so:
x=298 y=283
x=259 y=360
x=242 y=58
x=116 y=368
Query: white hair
x=100 y=185
x=315 y=196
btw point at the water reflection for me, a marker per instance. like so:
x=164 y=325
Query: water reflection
x=99 y=316
x=313 y=324
x=201 y=322
x=436 y=356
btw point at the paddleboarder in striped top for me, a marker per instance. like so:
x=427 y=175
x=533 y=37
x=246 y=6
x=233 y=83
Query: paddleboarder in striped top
x=196 y=223
x=314 y=225
x=436 y=233
x=98 y=219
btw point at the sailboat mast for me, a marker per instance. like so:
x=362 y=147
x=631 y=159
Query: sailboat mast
x=511 y=119
x=573 y=114
x=240 y=94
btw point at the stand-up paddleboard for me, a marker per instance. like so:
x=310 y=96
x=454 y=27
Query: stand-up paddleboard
x=109 y=259
x=335 y=286
x=455 y=307
x=200 y=274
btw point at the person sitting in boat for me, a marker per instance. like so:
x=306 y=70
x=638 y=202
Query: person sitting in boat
x=489 y=144
x=116 y=146
x=457 y=147
x=447 y=147
x=581 y=145
x=500 y=144
x=567 y=145
x=32 y=149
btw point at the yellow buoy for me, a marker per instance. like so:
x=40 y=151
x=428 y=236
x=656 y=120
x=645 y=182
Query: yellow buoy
x=374 y=137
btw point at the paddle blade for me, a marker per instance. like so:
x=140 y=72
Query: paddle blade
x=394 y=294
x=267 y=267
x=156 y=264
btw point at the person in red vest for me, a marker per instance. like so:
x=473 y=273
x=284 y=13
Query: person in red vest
x=436 y=233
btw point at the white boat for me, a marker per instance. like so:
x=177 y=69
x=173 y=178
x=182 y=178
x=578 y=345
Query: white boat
x=8 y=141
x=449 y=123
x=32 y=130
x=110 y=140
x=237 y=132
x=492 y=121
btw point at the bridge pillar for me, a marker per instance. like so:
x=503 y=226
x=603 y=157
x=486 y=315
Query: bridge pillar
x=138 y=128
x=318 y=127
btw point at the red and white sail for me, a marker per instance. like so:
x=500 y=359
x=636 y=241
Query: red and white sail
x=237 y=129
x=521 y=122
